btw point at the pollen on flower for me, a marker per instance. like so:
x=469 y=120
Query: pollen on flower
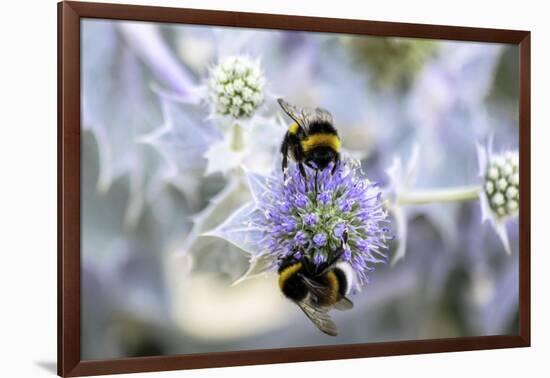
x=344 y=218
x=236 y=87
x=502 y=184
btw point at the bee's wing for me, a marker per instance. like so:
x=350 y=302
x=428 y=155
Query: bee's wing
x=320 y=317
x=316 y=289
x=293 y=112
x=305 y=116
x=343 y=304
x=323 y=115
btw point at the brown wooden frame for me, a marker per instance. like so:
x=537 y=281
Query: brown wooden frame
x=69 y=15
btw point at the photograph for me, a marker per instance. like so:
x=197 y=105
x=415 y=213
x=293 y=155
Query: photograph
x=249 y=189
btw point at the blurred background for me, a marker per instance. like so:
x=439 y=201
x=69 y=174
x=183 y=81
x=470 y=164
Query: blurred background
x=155 y=176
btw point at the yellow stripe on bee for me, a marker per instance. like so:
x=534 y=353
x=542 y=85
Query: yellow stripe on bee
x=334 y=286
x=293 y=128
x=287 y=272
x=321 y=140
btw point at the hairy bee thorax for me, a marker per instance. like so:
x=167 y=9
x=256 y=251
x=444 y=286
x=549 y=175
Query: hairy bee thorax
x=313 y=141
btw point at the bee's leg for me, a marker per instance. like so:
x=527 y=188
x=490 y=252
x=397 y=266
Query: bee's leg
x=308 y=267
x=284 y=167
x=303 y=173
x=316 y=188
x=284 y=153
x=334 y=259
x=336 y=163
x=340 y=252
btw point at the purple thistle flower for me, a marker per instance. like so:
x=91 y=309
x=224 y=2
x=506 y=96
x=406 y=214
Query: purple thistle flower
x=320 y=240
x=324 y=197
x=300 y=238
x=293 y=218
x=289 y=225
x=310 y=219
x=345 y=205
x=301 y=201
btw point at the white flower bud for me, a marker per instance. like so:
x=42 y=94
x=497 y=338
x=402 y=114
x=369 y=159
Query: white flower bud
x=238 y=84
x=489 y=187
x=237 y=81
x=493 y=173
x=498 y=199
x=507 y=170
x=248 y=108
x=512 y=193
x=236 y=100
x=247 y=92
x=221 y=77
x=515 y=179
x=229 y=89
x=513 y=206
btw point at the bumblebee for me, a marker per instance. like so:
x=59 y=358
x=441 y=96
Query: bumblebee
x=316 y=290
x=311 y=139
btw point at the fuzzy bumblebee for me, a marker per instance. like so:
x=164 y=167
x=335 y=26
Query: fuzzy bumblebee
x=311 y=139
x=316 y=289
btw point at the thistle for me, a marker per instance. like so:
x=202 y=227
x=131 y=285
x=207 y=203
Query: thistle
x=236 y=87
x=298 y=216
x=499 y=198
x=502 y=184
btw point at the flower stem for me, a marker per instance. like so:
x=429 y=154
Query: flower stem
x=422 y=197
x=237 y=137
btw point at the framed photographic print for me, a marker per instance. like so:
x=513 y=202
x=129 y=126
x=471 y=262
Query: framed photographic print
x=239 y=188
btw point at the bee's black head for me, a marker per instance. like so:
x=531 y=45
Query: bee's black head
x=321 y=157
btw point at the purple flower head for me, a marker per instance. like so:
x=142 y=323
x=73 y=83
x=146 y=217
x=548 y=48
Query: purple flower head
x=301 y=201
x=300 y=238
x=294 y=216
x=289 y=225
x=346 y=205
x=324 y=197
x=310 y=219
x=320 y=240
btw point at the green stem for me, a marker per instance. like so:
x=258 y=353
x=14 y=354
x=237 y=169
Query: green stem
x=422 y=197
x=237 y=137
